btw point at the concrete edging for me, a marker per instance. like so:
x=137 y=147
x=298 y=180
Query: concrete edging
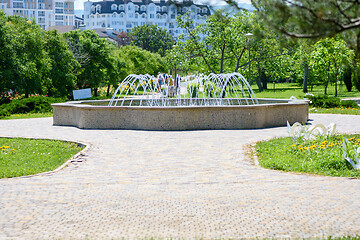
x=179 y=118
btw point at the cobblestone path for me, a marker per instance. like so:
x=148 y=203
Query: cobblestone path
x=190 y=184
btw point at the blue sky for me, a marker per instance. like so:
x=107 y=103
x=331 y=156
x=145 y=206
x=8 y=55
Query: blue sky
x=79 y=4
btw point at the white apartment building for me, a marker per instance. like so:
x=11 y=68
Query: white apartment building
x=45 y=12
x=123 y=15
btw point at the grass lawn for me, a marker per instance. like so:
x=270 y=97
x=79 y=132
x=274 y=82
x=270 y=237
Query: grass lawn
x=21 y=157
x=28 y=115
x=286 y=90
x=349 y=111
x=324 y=157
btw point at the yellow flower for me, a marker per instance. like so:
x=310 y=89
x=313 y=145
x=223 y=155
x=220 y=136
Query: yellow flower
x=305 y=148
x=358 y=140
x=6 y=146
x=294 y=145
x=350 y=139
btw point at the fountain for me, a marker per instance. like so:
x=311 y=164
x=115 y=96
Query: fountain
x=215 y=101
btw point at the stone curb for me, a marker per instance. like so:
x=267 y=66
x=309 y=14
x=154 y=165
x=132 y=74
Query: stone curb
x=67 y=163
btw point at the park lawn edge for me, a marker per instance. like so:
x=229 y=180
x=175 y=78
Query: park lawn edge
x=84 y=147
x=254 y=156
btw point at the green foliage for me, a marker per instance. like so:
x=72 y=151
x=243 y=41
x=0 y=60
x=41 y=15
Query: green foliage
x=312 y=19
x=94 y=55
x=29 y=105
x=209 y=89
x=347 y=78
x=356 y=76
x=139 y=61
x=152 y=38
x=193 y=89
x=61 y=77
x=324 y=101
x=329 y=59
x=21 y=157
x=24 y=62
x=318 y=156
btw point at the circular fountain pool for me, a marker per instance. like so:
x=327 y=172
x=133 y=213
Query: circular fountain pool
x=197 y=102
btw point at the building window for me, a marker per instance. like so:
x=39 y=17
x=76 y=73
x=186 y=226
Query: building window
x=98 y=8
x=59 y=23
x=136 y=15
x=59 y=10
x=151 y=15
x=143 y=8
x=164 y=9
x=18 y=5
x=152 y=8
x=172 y=16
x=41 y=13
x=204 y=10
x=59 y=4
x=164 y=16
x=121 y=7
x=143 y=15
x=136 y=8
x=59 y=17
x=129 y=7
x=114 y=7
x=122 y=15
x=158 y=9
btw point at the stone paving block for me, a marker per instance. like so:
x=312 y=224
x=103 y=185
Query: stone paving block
x=182 y=185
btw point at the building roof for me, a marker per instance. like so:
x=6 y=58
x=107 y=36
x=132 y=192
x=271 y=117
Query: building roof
x=106 y=5
x=61 y=29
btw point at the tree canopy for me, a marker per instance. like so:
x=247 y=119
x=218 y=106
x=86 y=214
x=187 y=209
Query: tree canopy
x=152 y=38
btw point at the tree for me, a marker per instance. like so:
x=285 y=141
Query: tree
x=216 y=45
x=152 y=38
x=24 y=61
x=307 y=19
x=61 y=77
x=141 y=61
x=329 y=58
x=94 y=55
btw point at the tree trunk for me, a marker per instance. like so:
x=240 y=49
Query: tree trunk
x=108 y=90
x=336 y=92
x=306 y=77
x=95 y=92
x=258 y=83
x=263 y=78
x=326 y=85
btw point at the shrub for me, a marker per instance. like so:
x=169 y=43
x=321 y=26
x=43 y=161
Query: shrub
x=209 y=89
x=324 y=101
x=4 y=113
x=349 y=104
x=347 y=78
x=30 y=105
x=193 y=89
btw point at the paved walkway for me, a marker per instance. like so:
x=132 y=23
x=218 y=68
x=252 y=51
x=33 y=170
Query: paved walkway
x=190 y=184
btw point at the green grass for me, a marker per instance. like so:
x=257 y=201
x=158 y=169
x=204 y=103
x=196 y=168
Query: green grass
x=310 y=156
x=286 y=90
x=21 y=157
x=349 y=111
x=28 y=115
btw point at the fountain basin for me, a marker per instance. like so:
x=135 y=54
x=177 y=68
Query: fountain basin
x=97 y=115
